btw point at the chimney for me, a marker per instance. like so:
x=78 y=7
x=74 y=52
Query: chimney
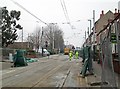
x=116 y=13
x=102 y=14
x=115 y=10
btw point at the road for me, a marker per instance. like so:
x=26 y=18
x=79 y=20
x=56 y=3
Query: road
x=57 y=71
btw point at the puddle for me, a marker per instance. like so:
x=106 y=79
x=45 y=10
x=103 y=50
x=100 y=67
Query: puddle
x=59 y=76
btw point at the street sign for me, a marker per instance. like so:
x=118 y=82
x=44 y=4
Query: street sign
x=113 y=38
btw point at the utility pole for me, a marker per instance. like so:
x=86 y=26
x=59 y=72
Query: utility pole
x=90 y=31
x=94 y=27
x=22 y=35
x=88 y=36
x=85 y=39
x=28 y=41
x=0 y=27
x=53 y=37
x=94 y=35
x=90 y=25
x=42 y=41
x=22 y=38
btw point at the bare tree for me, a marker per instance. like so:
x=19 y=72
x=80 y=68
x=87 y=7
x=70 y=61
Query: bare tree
x=35 y=38
x=54 y=36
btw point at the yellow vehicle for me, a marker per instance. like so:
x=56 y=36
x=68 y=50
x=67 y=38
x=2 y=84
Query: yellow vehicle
x=66 y=51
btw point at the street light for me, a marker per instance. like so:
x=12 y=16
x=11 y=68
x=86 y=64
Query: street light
x=90 y=25
x=22 y=35
x=53 y=35
x=42 y=41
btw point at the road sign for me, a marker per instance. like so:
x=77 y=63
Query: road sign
x=113 y=38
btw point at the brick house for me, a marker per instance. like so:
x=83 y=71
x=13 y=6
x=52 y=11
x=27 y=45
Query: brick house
x=101 y=23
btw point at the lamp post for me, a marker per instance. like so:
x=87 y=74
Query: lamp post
x=94 y=35
x=90 y=25
x=53 y=36
x=42 y=41
x=22 y=37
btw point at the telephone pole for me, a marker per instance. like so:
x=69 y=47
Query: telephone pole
x=53 y=37
x=22 y=38
x=93 y=35
x=0 y=27
x=85 y=39
x=94 y=27
x=90 y=25
x=42 y=41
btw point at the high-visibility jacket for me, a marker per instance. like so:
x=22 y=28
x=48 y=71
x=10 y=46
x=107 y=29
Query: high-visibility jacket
x=77 y=54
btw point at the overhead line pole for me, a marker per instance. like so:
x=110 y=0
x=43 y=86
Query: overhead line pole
x=94 y=27
x=94 y=35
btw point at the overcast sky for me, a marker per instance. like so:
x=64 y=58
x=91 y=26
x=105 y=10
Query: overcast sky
x=50 y=11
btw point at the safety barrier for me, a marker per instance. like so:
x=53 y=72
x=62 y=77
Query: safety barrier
x=110 y=42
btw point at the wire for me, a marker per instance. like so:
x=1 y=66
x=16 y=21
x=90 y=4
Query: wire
x=28 y=12
x=63 y=9
x=65 y=12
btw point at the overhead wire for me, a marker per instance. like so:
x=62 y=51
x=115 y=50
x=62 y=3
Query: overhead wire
x=65 y=12
x=28 y=12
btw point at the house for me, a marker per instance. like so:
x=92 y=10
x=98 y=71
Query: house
x=101 y=23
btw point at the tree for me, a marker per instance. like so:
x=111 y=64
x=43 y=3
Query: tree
x=35 y=38
x=50 y=33
x=54 y=33
x=9 y=26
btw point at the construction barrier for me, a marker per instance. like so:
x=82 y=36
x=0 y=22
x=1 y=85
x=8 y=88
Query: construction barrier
x=108 y=43
x=87 y=60
x=19 y=58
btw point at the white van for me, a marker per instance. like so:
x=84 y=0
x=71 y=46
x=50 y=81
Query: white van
x=45 y=52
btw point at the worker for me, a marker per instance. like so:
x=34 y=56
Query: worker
x=76 y=55
x=70 y=55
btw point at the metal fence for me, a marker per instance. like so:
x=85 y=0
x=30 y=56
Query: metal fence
x=108 y=77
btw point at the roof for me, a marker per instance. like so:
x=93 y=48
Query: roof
x=109 y=12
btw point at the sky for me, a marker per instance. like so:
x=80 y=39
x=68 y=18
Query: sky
x=50 y=11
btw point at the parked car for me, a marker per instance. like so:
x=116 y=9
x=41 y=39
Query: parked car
x=45 y=52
